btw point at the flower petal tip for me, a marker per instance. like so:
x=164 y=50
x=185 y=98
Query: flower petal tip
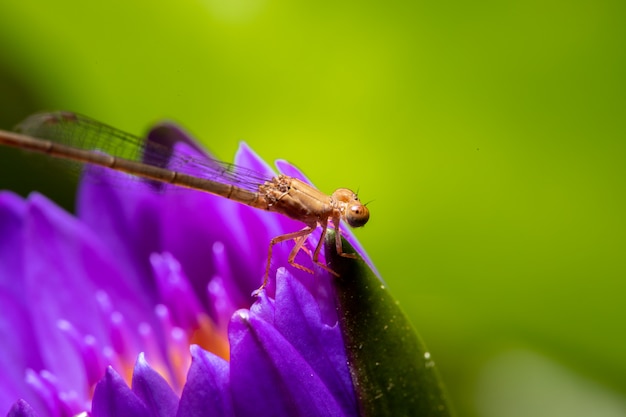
x=289 y=169
x=153 y=390
x=21 y=409
x=243 y=315
x=249 y=159
x=113 y=398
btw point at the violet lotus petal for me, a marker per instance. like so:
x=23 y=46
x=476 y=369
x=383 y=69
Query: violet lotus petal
x=206 y=392
x=56 y=400
x=248 y=361
x=153 y=390
x=12 y=214
x=144 y=212
x=54 y=251
x=224 y=219
x=257 y=348
x=283 y=370
x=302 y=319
x=21 y=409
x=113 y=398
x=19 y=343
x=19 y=352
x=220 y=301
x=125 y=215
x=290 y=170
x=181 y=229
x=299 y=319
x=265 y=307
x=246 y=158
x=131 y=212
x=62 y=252
x=190 y=239
x=168 y=134
x=175 y=290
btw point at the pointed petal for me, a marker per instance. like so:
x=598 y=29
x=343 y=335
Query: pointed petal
x=21 y=409
x=125 y=215
x=153 y=390
x=12 y=214
x=299 y=320
x=175 y=290
x=170 y=135
x=62 y=252
x=263 y=364
x=248 y=159
x=19 y=343
x=19 y=351
x=207 y=391
x=290 y=170
x=113 y=398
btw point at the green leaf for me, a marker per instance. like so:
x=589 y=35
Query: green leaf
x=392 y=371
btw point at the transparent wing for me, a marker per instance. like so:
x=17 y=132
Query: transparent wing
x=82 y=132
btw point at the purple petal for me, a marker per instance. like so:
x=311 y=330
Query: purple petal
x=258 y=349
x=19 y=352
x=79 y=252
x=47 y=233
x=12 y=214
x=220 y=298
x=21 y=409
x=265 y=306
x=191 y=240
x=248 y=159
x=170 y=135
x=19 y=343
x=175 y=290
x=290 y=170
x=56 y=401
x=125 y=215
x=136 y=222
x=113 y=398
x=61 y=253
x=206 y=392
x=298 y=318
x=153 y=390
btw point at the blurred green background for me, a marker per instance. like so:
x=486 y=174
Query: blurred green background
x=490 y=135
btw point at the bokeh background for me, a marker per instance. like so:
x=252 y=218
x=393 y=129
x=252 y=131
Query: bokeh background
x=491 y=137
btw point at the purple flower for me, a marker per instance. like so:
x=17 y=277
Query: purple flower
x=152 y=290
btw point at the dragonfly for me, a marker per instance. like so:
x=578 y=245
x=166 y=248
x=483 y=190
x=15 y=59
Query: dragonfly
x=78 y=138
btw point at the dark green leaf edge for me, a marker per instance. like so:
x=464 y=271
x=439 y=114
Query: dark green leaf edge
x=392 y=371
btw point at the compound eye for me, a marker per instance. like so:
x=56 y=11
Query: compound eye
x=357 y=215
